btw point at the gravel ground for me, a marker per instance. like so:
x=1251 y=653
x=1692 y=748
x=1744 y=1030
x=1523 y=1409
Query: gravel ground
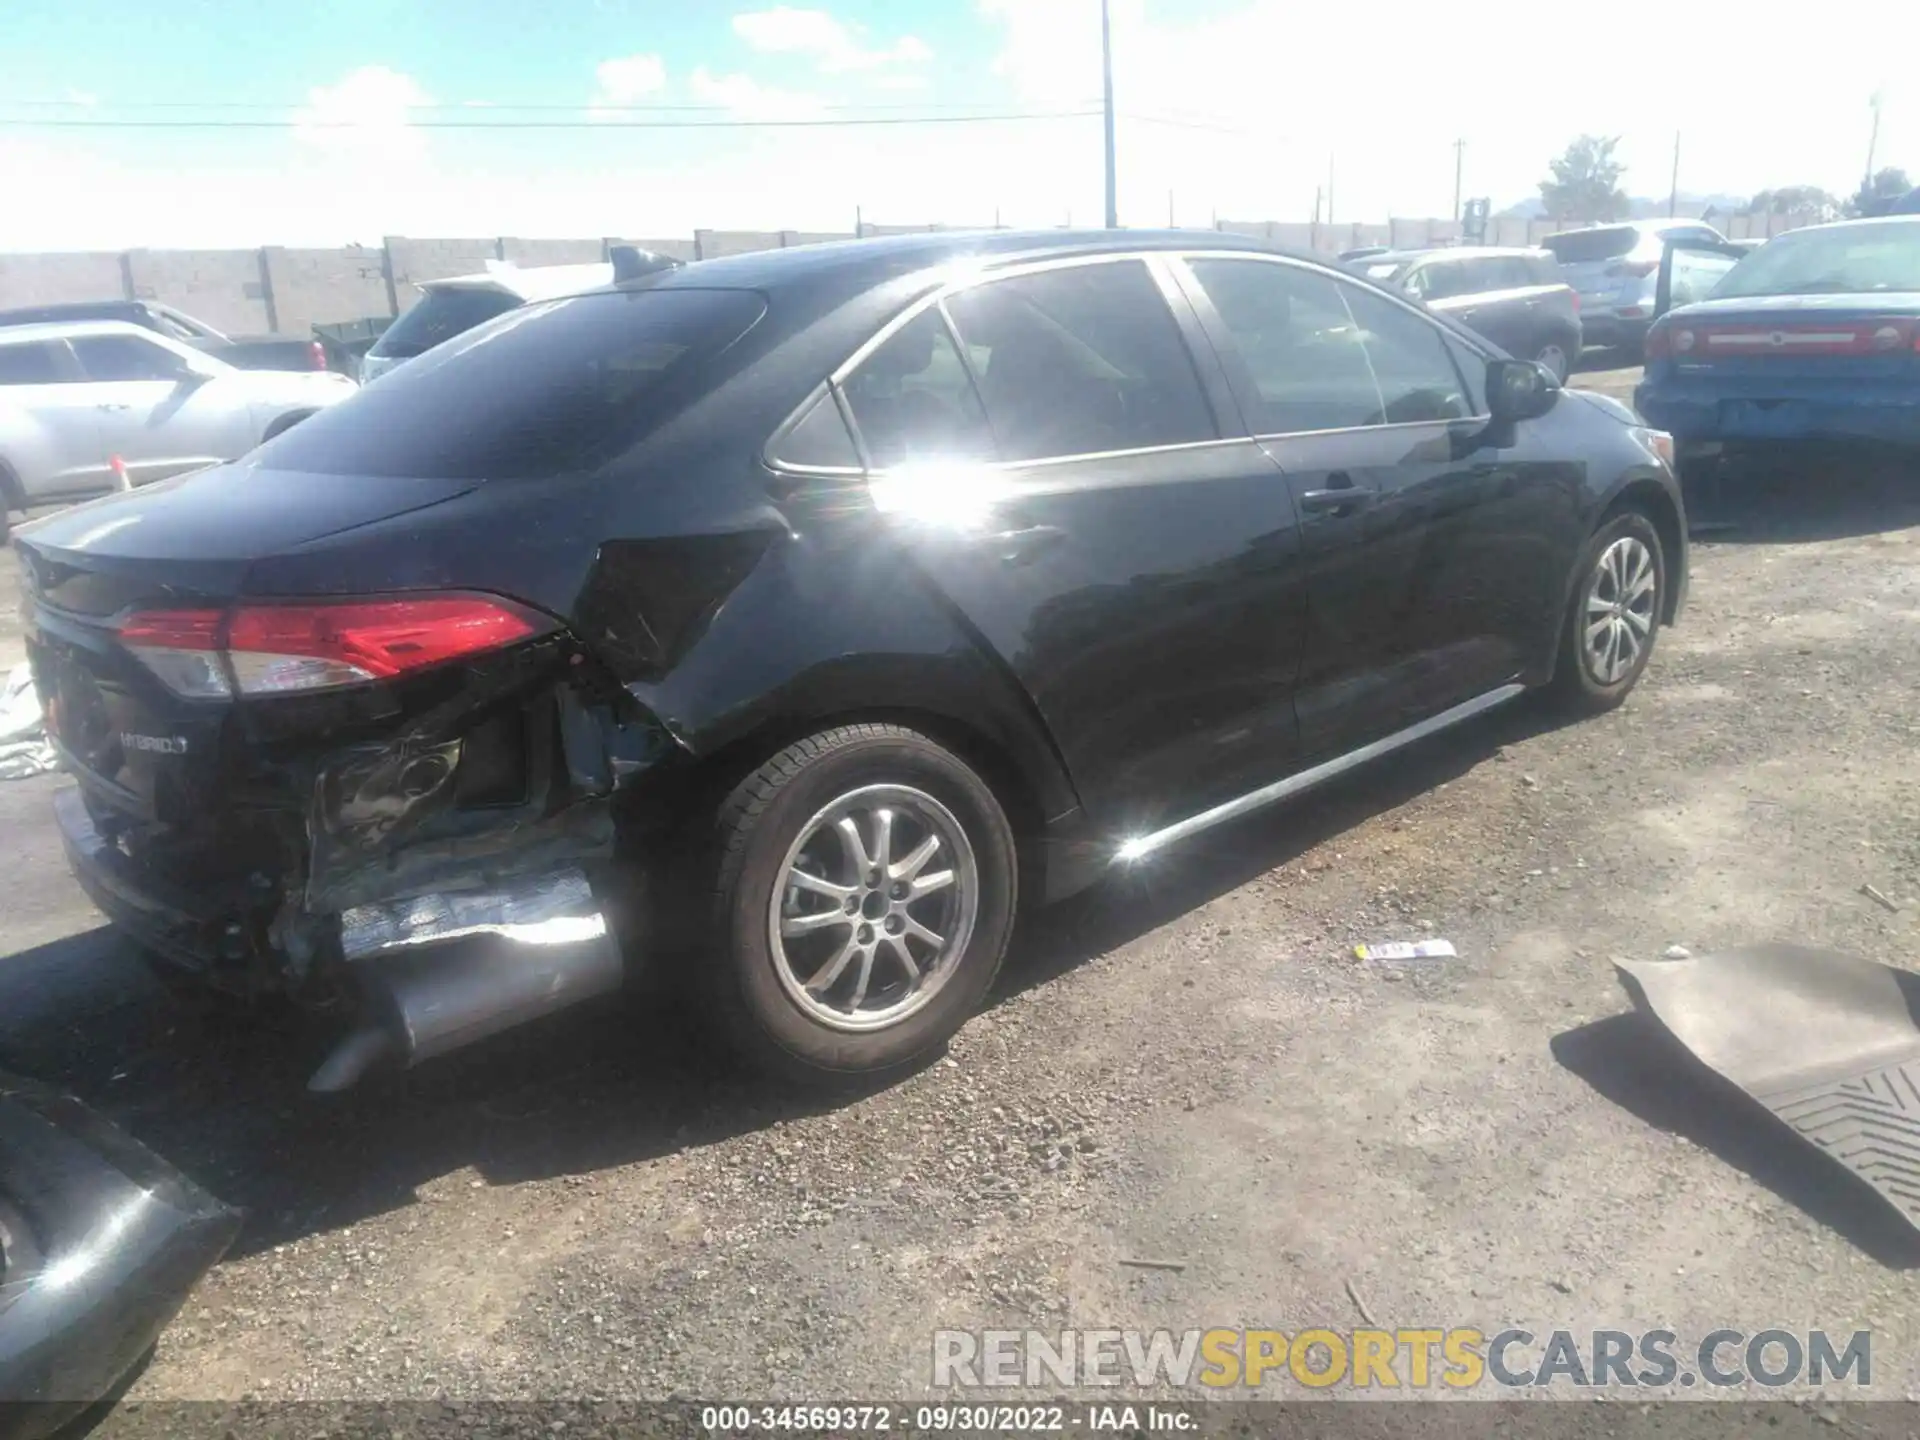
x=1191 y=1067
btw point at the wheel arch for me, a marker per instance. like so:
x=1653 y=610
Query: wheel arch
x=1650 y=498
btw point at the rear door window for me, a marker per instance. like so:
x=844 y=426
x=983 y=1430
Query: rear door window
x=30 y=365
x=914 y=401
x=1080 y=360
x=550 y=389
x=126 y=357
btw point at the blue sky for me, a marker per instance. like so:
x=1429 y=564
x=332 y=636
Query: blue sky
x=1234 y=108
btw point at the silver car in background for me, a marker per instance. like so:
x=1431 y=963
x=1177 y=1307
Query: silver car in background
x=1615 y=270
x=93 y=406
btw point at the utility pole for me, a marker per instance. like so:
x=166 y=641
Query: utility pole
x=1106 y=72
x=1673 y=195
x=1329 y=187
x=1459 y=167
x=1170 y=222
x=1873 y=141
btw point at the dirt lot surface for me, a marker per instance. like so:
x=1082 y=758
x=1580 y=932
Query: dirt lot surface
x=1190 y=1068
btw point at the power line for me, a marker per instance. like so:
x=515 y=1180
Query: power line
x=136 y=106
x=613 y=124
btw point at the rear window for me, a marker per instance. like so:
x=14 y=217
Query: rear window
x=440 y=316
x=550 y=389
x=1874 y=259
x=1577 y=247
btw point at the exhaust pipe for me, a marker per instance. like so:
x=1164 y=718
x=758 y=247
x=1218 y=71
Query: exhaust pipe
x=441 y=971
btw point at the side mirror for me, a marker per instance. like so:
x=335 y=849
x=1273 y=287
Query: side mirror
x=1519 y=390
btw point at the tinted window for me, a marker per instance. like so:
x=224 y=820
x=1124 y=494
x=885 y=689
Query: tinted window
x=1442 y=280
x=1301 y=349
x=1545 y=270
x=1473 y=369
x=549 y=389
x=1577 y=247
x=1081 y=360
x=438 y=317
x=29 y=365
x=126 y=357
x=913 y=399
x=1417 y=378
x=1508 y=272
x=818 y=440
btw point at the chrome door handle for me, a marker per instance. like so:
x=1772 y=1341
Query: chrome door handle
x=1341 y=497
x=112 y=405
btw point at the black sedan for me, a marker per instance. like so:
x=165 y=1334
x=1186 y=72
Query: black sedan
x=784 y=619
x=1518 y=299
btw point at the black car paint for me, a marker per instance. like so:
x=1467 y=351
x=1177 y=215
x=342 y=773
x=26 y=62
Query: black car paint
x=102 y=1242
x=1184 y=635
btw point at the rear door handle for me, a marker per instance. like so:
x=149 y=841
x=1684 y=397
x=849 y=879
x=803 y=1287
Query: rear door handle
x=1017 y=546
x=1341 y=497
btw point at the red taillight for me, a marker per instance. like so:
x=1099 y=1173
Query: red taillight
x=1659 y=344
x=1576 y=300
x=318 y=353
x=320 y=645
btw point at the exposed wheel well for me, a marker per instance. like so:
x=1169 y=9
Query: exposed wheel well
x=988 y=759
x=1651 y=500
x=283 y=423
x=10 y=496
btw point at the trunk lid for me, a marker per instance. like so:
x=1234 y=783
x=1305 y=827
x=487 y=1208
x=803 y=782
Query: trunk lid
x=1820 y=337
x=186 y=543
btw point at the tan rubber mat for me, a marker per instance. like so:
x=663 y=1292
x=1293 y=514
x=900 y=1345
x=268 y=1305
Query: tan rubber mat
x=1828 y=1042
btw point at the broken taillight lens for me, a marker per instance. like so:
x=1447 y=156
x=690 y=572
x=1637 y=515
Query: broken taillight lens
x=300 y=647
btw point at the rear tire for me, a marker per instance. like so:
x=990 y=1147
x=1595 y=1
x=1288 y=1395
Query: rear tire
x=1614 y=617
x=823 y=975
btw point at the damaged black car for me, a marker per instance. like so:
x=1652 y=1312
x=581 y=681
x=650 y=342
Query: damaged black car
x=785 y=620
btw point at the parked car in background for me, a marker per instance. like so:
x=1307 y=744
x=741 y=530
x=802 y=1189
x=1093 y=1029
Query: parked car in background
x=790 y=615
x=244 y=352
x=1516 y=298
x=1811 y=337
x=1615 y=270
x=95 y=406
x=455 y=305
x=1365 y=252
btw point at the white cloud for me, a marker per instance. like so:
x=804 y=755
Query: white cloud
x=366 y=116
x=628 y=79
x=834 y=46
x=747 y=99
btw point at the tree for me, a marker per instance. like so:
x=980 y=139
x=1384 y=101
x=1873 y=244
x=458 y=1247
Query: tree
x=1881 y=190
x=1795 y=200
x=1586 y=182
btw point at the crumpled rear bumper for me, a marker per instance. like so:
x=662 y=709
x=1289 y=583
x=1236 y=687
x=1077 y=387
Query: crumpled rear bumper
x=102 y=1243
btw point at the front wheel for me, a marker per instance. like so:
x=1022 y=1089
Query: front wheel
x=1615 y=615
x=864 y=895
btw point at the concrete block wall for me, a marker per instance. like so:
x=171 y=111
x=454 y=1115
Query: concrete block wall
x=316 y=287
x=277 y=288
x=225 y=288
x=412 y=260
x=55 y=279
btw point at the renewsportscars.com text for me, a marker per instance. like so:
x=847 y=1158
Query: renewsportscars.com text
x=1455 y=1359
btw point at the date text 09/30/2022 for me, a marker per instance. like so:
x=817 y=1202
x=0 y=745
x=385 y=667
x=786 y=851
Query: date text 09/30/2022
x=956 y=1419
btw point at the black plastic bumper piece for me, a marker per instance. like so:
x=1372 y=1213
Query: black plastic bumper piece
x=164 y=921
x=103 y=1242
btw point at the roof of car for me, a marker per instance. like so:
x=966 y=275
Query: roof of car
x=890 y=255
x=68 y=329
x=530 y=282
x=1457 y=252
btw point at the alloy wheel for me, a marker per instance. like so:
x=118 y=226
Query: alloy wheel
x=873 y=906
x=1619 y=614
